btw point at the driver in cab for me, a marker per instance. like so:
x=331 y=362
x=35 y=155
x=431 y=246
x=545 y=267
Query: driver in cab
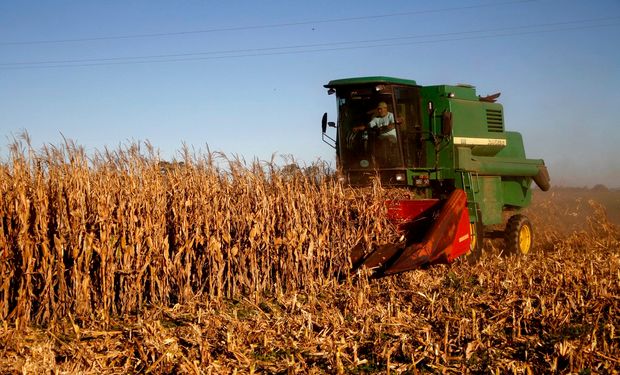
x=383 y=122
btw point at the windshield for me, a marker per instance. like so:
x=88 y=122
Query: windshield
x=368 y=129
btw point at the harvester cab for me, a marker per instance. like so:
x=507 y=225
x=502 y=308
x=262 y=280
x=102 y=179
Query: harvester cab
x=447 y=144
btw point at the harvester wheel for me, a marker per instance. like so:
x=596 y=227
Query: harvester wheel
x=476 y=238
x=519 y=235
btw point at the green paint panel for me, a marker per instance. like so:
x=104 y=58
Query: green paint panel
x=490 y=198
x=517 y=192
x=463 y=92
x=515 y=147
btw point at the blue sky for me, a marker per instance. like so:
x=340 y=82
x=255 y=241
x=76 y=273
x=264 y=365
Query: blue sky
x=246 y=77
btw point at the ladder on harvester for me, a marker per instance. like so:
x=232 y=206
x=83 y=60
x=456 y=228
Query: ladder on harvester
x=471 y=185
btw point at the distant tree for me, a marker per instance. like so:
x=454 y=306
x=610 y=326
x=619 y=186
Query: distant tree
x=291 y=169
x=167 y=166
x=600 y=187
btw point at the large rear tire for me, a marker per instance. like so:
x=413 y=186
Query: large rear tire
x=519 y=235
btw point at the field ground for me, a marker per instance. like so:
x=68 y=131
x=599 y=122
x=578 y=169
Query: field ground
x=554 y=311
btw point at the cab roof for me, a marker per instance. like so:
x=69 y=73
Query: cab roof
x=370 y=80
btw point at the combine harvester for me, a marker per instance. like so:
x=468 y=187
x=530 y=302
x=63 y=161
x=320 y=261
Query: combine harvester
x=450 y=147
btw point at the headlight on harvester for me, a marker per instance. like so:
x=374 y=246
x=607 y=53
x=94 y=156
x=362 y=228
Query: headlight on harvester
x=400 y=177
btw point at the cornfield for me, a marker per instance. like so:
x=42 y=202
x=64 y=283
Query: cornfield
x=116 y=262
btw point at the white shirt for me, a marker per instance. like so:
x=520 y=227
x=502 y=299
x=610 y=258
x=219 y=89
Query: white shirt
x=379 y=122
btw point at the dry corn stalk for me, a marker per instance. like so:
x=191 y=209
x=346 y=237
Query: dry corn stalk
x=107 y=235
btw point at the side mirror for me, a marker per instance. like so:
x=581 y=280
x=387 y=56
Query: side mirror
x=446 y=123
x=324 y=125
x=324 y=122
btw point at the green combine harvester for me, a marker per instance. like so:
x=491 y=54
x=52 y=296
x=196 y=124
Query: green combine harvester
x=450 y=146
